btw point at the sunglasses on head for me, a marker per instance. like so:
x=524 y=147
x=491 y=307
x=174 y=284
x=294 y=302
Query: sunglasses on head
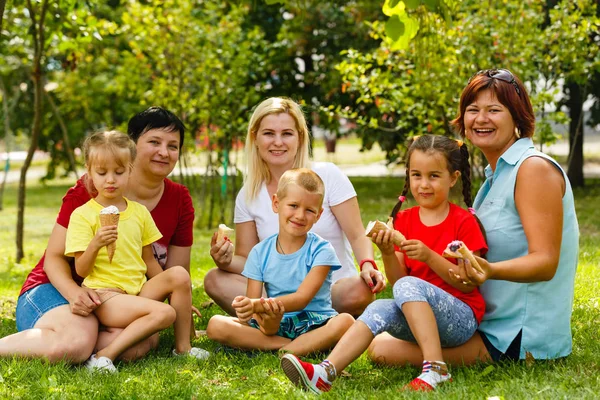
x=501 y=74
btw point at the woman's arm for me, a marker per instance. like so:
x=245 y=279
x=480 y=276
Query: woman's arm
x=177 y=255
x=246 y=237
x=306 y=291
x=538 y=196
x=348 y=216
x=153 y=268
x=81 y=300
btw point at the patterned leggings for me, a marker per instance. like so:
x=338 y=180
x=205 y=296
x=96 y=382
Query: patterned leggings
x=455 y=319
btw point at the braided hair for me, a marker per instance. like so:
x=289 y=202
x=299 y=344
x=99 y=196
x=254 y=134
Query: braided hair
x=456 y=154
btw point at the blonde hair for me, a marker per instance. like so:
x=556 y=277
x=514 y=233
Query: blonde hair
x=100 y=146
x=305 y=178
x=257 y=170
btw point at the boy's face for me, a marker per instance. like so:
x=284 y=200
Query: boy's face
x=298 y=211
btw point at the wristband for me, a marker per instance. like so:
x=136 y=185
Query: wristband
x=364 y=260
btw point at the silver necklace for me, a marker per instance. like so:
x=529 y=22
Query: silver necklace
x=279 y=245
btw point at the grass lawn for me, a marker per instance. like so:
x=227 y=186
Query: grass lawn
x=231 y=375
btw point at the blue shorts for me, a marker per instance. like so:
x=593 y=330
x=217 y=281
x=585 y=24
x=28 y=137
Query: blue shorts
x=36 y=302
x=295 y=325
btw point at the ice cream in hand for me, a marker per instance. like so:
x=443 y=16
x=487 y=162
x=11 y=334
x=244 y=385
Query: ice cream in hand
x=110 y=216
x=223 y=232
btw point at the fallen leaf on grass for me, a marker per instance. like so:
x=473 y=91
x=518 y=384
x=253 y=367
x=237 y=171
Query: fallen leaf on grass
x=529 y=360
x=495 y=398
x=207 y=304
x=346 y=374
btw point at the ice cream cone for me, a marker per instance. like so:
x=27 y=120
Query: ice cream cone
x=108 y=220
x=376 y=226
x=458 y=249
x=224 y=231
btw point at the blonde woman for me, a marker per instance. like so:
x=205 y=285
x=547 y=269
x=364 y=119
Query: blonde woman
x=277 y=141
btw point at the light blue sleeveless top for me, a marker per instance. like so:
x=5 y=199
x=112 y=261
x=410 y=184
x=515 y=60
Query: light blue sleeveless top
x=541 y=310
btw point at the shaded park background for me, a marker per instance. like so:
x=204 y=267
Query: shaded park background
x=382 y=71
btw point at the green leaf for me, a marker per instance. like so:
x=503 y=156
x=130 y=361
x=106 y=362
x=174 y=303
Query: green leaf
x=271 y=2
x=394 y=3
x=412 y=4
x=396 y=9
x=394 y=28
x=488 y=370
x=432 y=5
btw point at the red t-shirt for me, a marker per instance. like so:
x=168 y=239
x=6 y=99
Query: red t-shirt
x=458 y=225
x=173 y=215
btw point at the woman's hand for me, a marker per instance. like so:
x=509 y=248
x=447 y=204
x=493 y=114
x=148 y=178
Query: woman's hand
x=469 y=276
x=372 y=277
x=383 y=240
x=86 y=300
x=221 y=251
x=416 y=250
x=243 y=308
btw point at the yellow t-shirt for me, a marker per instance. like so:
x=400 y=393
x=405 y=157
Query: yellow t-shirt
x=136 y=229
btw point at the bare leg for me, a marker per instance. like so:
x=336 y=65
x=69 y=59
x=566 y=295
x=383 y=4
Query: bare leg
x=57 y=335
x=175 y=282
x=351 y=295
x=223 y=286
x=135 y=352
x=387 y=350
x=139 y=317
x=423 y=326
x=229 y=331
x=322 y=338
x=351 y=345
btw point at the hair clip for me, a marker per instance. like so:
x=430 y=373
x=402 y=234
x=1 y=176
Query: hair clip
x=471 y=210
x=401 y=199
x=459 y=142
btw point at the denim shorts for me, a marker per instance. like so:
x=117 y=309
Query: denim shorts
x=295 y=325
x=36 y=302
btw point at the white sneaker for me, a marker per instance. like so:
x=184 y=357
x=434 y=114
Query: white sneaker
x=100 y=364
x=196 y=352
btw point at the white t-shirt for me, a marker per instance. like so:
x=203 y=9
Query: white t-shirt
x=338 y=189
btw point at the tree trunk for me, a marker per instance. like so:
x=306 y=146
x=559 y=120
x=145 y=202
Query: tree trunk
x=575 y=160
x=7 y=139
x=37 y=33
x=65 y=135
x=2 y=5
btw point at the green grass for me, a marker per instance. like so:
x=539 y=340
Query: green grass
x=238 y=376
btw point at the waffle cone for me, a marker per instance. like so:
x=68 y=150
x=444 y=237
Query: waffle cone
x=108 y=220
x=376 y=226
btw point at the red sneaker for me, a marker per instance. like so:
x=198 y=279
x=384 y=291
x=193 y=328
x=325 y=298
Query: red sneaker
x=311 y=377
x=419 y=385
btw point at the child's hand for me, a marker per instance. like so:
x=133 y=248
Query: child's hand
x=270 y=319
x=105 y=235
x=416 y=250
x=383 y=240
x=243 y=308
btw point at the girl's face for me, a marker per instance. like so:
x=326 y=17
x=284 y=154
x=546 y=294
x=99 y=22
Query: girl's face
x=489 y=124
x=430 y=180
x=277 y=140
x=157 y=152
x=110 y=179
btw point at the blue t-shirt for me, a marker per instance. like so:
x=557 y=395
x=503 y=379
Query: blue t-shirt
x=282 y=274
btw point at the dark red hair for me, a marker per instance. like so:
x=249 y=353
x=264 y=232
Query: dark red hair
x=519 y=105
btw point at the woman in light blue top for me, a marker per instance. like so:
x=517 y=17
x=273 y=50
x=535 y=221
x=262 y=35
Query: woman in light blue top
x=526 y=207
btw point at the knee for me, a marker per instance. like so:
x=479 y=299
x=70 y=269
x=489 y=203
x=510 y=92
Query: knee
x=163 y=316
x=179 y=278
x=77 y=345
x=211 y=283
x=216 y=328
x=342 y=323
x=352 y=300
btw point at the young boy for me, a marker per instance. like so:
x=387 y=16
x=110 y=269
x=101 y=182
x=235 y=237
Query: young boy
x=295 y=267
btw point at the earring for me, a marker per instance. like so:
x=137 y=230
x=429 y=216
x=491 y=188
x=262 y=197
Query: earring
x=517 y=132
